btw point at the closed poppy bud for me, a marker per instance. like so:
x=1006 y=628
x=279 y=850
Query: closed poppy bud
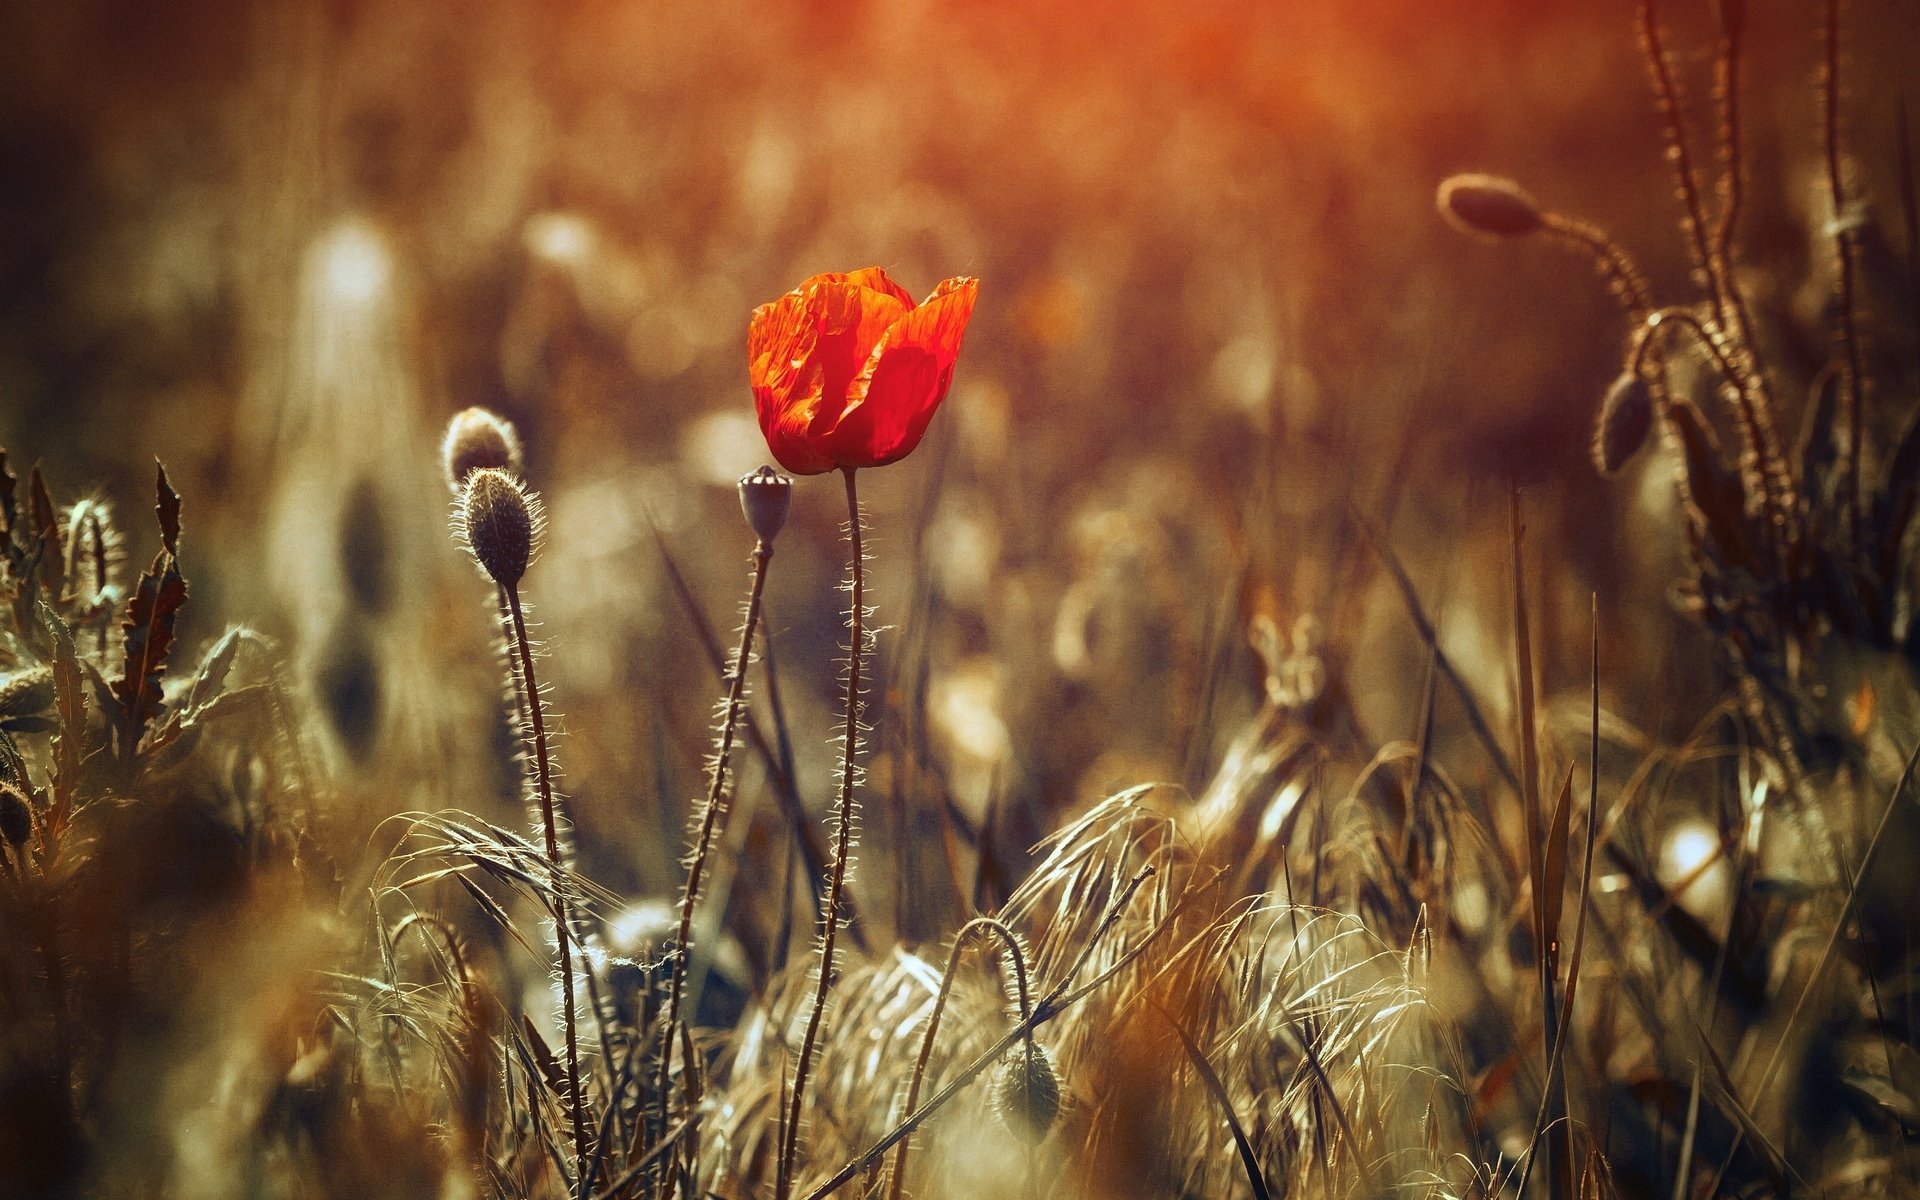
x=478 y=438
x=500 y=522
x=765 y=496
x=1626 y=417
x=847 y=371
x=1489 y=204
x=1026 y=1094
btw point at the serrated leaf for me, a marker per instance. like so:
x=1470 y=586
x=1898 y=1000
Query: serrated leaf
x=166 y=506
x=147 y=633
x=212 y=676
x=44 y=522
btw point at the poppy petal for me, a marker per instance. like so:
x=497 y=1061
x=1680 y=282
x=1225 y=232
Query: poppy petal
x=849 y=321
x=903 y=382
x=786 y=380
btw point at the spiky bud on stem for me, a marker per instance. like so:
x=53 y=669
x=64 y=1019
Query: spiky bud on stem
x=1490 y=204
x=500 y=521
x=765 y=497
x=1026 y=1093
x=1626 y=417
x=478 y=439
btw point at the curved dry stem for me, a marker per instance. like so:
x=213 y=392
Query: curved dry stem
x=1775 y=483
x=843 y=836
x=712 y=813
x=979 y=926
x=1615 y=264
x=563 y=926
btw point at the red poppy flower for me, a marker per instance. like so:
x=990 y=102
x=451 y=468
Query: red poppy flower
x=847 y=371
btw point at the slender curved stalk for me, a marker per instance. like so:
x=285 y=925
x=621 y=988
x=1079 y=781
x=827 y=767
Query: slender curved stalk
x=977 y=926
x=1776 y=483
x=1693 y=216
x=842 y=841
x=1733 y=188
x=563 y=926
x=712 y=813
x=1615 y=264
x=1059 y=998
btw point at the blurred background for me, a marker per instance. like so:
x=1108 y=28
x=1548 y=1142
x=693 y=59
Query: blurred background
x=277 y=245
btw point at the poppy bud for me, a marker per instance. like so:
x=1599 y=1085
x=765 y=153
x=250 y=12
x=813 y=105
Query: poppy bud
x=500 y=521
x=26 y=693
x=1489 y=204
x=765 y=496
x=1626 y=417
x=16 y=816
x=478 y=438
x=1026 y=1093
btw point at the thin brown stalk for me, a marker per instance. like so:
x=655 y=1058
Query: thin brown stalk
x=1686 y=183
x=1846 y=333
x=563 y=928
x=1614 y=263
x=712 y=813
x=1732 y=192
x=842 y=839
x=1559 y=1163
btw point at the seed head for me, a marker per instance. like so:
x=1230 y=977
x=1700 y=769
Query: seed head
x=16 y=816
x=1626 y=417
x=1489 y=204
x=26 y=693
x=765 y=496
x=478 y=438
x=500 y=520
x=1026 y=1093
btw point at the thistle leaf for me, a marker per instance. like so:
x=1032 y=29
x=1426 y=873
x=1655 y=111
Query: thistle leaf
x=147 y=630
x=167 y=507
x=70 y=702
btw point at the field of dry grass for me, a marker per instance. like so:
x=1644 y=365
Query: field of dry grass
x=1393 y=671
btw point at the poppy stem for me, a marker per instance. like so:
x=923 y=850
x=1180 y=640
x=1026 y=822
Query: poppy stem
x=712 y=815
x=842 y=842
x=563 y=931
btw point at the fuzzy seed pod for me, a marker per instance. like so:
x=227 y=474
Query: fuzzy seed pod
x=1026 y=1093
x=765 y=496
x=478 y=438
x=500 y=521
x=26 y=693
x=16 y=816
x=1489 y=204
x=1626 y=417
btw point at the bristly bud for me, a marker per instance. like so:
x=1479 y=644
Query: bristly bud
x=765 y=496
x=26 y=693
x=479 y=438
x=1489 y=204
x=1026 y=1093
x=16 y=816
x=1626 y=417
x=500 y=521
